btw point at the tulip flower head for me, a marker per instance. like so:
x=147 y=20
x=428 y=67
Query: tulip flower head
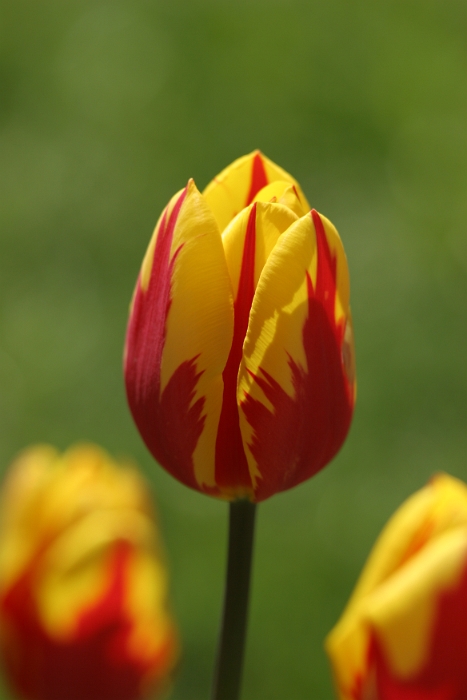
x=83 y=610
x=403 y=635
x=239 y=358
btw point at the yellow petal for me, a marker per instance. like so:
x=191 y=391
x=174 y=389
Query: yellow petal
x=295 y=392
x=248 y=242
x=402 y=611
x=269 y=221
x=236 y=186
x=76 y=565
x=284 y=193
x=179 y=337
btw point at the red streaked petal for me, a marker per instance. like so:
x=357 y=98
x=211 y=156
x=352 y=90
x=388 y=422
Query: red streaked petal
x=143 y=359
x=149 y=310
x=284 y=193
x=236 y=186
x=248 y=241
x=92 y=662
x=178 y=341
x=444 y=672
x=231 y=464
x=295 y=394
x=271 y=221
x=258 y=179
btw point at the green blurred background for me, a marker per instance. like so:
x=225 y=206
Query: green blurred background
x=106 y=110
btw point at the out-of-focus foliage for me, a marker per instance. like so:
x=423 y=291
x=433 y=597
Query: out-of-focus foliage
x=107 y=108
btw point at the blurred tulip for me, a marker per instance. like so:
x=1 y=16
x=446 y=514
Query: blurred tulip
x=403 y=635
x=83 y=609
x=239 y=359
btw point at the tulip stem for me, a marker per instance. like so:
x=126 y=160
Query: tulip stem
x=229 y=663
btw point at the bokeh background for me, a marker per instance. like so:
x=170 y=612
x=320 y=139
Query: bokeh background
x=106 y=109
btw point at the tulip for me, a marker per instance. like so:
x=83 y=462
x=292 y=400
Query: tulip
x=83 y=610
x=239 y=357
x=403 y=635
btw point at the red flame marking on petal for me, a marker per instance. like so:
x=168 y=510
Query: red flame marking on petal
x=259 y=179
x=231 y=462
x=169 y=425
x=303 y=432
x=94 y=660
x=444 y=674
x=326 y=273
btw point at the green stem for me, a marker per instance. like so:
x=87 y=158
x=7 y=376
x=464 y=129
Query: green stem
x=228 y=671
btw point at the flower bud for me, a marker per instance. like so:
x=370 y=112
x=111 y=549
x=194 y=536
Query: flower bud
x=83 y=587
x=239 y=358
x=403 y=635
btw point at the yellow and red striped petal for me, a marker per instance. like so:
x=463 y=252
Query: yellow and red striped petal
x=282 y=192
x=236 y=187
x=402 y=613
x=441 y=671
x=248 y=242
x=179 y=337
x=296 y=387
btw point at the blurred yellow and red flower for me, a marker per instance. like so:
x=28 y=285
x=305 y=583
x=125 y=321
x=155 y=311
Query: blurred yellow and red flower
x=403 y=635
x=83 y=586
x=239 y=358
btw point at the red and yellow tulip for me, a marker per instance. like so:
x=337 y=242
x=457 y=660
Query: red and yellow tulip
x=239 y=358
x=83 y=610
x=403 y=635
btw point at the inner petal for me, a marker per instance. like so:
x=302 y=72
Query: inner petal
x=237 y=185
x=248 y=242
x=284 y=193
x=270 y=221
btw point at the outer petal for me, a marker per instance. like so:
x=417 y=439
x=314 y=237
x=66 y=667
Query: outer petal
x=257 y=228
x=178 y=340
x=296 y=381
x=248 y=242
x=236 y=186
x=442 y=671
x=402 y=612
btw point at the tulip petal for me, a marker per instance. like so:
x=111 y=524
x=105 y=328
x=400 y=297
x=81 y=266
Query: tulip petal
x=402 y=611
x=284 y=193
x=178 y=340
x=258 y=227
x=433 y=615
x=296 y=381
x=84 y=550
x=236 y=186
x=248 y=241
